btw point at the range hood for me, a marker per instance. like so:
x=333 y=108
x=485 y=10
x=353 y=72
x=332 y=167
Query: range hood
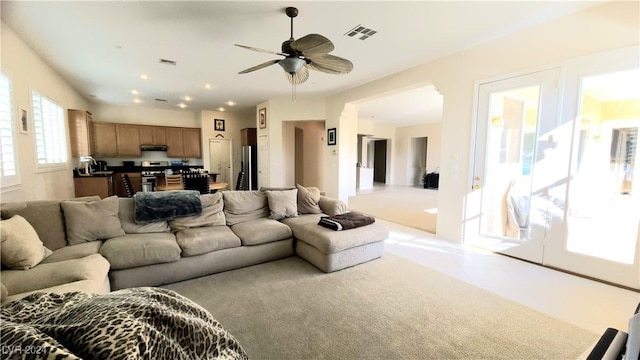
x=153 y=147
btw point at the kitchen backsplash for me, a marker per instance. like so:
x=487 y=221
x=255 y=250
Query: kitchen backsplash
x=148 y=156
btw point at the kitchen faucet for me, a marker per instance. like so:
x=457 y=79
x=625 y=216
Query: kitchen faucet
x=87 y=160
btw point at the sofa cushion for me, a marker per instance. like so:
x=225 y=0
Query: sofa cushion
x=306 y=229
x=92 y=267
x=201 y=240
x=261 y=231
x=92 y=220
x=73 y=252
x=212 y=214
x=45 y=217
x=282 y=204
x=308 y=200
x=132 y=250
x=241 y=206
x=21 y=247
x=126 y=214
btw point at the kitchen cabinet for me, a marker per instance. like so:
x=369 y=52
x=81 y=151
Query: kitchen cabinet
x=191 y=143
x=80 y=133
x=104 y=140
x=183 y=142
x=248 y=137
x=134 y=178
x=128 y=140
x=93 y=185
x=153 y=135
x=175 y=143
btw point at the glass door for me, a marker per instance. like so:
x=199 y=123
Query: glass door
x=559 y=183
x=601 y=235
x=513 y=154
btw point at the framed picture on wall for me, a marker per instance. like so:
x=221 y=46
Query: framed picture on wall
x=331 y=136
x=262 y=116
x=218 y=124
x=24 y=122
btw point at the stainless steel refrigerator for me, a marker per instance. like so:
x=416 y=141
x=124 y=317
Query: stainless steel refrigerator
x=249 y=165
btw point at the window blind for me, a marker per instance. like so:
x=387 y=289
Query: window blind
x=8 y=170
x=49 y=131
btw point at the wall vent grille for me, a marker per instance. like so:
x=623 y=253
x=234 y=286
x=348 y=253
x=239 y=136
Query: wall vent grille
x=361 y=32
x=167 y=62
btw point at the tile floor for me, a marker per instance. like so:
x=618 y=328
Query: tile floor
x=586 y=303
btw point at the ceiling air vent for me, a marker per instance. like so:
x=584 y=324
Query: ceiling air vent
x=361 y=32
x=161 y=100
x=167 y=62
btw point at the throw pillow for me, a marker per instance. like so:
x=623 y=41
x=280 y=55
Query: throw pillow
x=241 y=206
x=92 y=220
x=21 y=246
x=212 y=214
x=308 y=200
x=283 y=204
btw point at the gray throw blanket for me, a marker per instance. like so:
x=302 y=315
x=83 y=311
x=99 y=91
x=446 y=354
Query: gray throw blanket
x=166 y=205
x=138 y=323
x=346 y=221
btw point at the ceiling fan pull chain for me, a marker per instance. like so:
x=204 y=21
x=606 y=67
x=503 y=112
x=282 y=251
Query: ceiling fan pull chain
x=293 y=93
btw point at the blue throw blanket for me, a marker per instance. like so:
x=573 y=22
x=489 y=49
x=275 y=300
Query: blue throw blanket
x=166 y=205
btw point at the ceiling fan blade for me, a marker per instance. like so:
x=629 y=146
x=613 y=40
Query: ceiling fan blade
x=299 y=77
x=312 y=44
x=330 y=64
x=261 y=50
x=258 y=67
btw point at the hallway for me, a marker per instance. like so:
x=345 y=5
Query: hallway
x=410 y=206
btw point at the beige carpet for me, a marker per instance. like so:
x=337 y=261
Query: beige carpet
x=406 y=205
x=389 y=308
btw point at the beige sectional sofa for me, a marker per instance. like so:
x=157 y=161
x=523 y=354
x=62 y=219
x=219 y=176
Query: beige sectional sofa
x=97 y=246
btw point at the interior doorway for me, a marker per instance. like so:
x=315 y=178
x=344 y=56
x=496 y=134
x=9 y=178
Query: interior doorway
x=221 y=160
x=418 y=159
x=380 y=161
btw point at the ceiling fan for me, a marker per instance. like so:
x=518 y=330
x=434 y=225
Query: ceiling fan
x=308 y=52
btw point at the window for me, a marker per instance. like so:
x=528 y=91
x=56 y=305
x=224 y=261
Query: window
x=49 y=130
x=8 y=172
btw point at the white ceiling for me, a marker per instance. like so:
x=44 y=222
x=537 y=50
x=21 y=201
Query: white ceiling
x=101 y=48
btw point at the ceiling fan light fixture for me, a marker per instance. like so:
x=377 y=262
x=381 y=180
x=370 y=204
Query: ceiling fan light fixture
x=291 y=65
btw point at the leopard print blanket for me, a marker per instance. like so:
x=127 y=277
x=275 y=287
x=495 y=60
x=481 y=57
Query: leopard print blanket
x=139 y=323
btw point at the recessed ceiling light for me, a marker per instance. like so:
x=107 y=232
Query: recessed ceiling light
x=135 y=92
x=207 y=86
x=230 y=103
x=182 y=105
x=137 y=101
x=221 y=109
x=187 y=98
x=144 y=77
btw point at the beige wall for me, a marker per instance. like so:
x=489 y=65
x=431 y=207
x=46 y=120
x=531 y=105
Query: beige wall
x=28 y=72
x=314 y=139
x=234 y=122
x=279 y=164
x=403 y=174
x=456 y=77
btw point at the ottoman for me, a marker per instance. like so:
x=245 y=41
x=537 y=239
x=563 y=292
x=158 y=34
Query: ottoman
x=331 y=250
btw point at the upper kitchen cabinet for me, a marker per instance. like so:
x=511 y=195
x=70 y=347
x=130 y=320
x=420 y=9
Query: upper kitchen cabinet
x=153 y=135
x=104 y=140
x=80 y=133
x=192 y=143
x=183 y=142
x=128 y=140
